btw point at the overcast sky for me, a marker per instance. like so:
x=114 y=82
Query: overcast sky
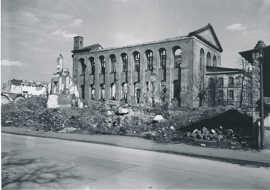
x=34 y=32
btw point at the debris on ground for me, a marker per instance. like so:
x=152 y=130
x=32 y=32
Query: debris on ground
x=158 y=118
x=122 y=111
x=205 y=127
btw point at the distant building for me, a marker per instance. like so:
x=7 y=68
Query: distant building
x=250 y=56
x=62 y=90
x=61 y=82
x=26 y=88
x=228 y=86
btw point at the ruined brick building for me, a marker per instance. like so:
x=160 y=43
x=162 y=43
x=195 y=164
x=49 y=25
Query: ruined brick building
x=171 y=70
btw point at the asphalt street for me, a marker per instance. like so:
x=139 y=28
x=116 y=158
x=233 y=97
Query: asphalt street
x=41 y=163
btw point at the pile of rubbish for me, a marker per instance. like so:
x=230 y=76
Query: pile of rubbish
x=220 y=137
x=22 y=113
x=207 y=128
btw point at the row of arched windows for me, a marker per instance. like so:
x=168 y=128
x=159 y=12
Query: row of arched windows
x=209 y=60
x=177 y=53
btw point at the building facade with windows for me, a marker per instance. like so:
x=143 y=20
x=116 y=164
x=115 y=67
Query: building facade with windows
x=26 y=88
x=171 y=70
x=228 y=86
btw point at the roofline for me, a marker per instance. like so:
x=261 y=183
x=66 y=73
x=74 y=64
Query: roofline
x=191 y=35
x=140 y=44
x=194 y=33
x=234 y=69
x=250 y=50
x=86 y=48
x=245 y=53
x=223 y=72
x=227 y=70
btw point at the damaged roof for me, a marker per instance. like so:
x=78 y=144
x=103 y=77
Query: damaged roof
x=93 y=47
x=206 y=34
x=248 y=54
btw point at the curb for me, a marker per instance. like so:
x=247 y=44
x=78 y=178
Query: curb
x=229 y=160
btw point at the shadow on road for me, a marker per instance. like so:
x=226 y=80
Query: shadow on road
x=19 y=171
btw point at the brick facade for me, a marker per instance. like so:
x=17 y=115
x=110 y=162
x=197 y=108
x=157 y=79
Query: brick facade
x=149 y=73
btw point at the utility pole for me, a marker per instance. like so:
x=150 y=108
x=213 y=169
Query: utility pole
x=259 y=56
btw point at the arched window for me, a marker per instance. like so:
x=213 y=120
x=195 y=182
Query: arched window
x=102 y=63
x=83 y=66
x=113 y=63
x=177 y=55
x=202 y=68
x=92 y=63
x=214 y=61
x=163 y=58
x=125 y=62
x=149 y=57
x=137 y=61
x=202 y=60
x=208 y=59
x=220 y=82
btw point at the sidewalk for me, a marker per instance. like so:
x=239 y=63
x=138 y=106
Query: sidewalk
x=252 y=157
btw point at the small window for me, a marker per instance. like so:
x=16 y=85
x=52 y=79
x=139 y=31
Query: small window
x=138 y=95
x=231 y=81
x=220 y=82
x=231 y=94
x=147 y=86
x=220 y=97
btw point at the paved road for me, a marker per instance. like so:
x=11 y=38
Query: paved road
x=40 y=163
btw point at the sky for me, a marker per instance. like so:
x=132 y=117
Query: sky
x=35 y=32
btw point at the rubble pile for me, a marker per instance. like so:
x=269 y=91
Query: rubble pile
x=206 y=127
x=23 y=113
x=218 y=137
